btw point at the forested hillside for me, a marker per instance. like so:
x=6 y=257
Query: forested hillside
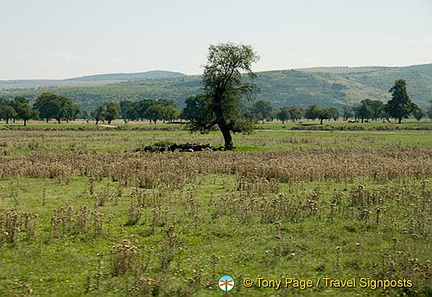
x=334 y=86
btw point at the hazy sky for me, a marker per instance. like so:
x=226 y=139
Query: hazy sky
x=70 y=38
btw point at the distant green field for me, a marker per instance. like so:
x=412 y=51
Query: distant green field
x=333 y=212
x=267 y=136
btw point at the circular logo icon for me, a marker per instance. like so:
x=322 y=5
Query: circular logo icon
x=226 y=283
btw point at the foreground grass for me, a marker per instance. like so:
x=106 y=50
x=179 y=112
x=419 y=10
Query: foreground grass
x=185 y=239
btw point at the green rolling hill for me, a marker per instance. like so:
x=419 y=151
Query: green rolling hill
x=326 y=86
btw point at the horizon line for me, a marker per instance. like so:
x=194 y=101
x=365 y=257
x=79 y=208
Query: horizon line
x=155 y=70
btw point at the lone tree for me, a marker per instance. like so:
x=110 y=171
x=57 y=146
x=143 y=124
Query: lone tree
x=111 y=112
x=98 y=114
x=23 y=109
x=312 y=112
x=364 y=111
x=283 y=114
x=324 y=114
x=7 y=110
x=400 y=106
x=262 y=110
x=155 y=113
x=227 y=79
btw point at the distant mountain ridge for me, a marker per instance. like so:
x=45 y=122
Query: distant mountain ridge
x=98 y=79
x=325 y=86
x=128 y=76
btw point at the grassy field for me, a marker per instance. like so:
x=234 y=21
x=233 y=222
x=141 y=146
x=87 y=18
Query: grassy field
x=291 y=212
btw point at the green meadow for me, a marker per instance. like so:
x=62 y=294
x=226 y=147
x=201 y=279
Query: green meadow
x=298 y=209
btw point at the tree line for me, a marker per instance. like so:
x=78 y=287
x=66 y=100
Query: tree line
x=399 y=107
x=50 y=106
x=147 y=109
x=17 y=109
x=47 y=106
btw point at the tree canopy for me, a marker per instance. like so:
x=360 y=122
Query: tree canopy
x=314 y=112
x=370 y=109
x=262 y=110
x=227 y=79
x=400 y=106
x=112 y=111
x=23 y=109
x=51 y=106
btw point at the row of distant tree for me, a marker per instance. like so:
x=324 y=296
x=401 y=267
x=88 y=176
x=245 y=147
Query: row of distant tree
x=148 y=109
x=399 y=107
x=17 y=108
x=47 y=106
x=50 y=106
x=367 y=110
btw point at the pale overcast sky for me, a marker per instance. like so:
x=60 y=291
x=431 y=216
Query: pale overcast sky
x=71 y=38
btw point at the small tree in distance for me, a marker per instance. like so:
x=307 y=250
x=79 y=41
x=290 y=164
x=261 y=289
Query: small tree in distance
x=364 y=111
x=400 y=106
x=262 y=110
x=111 y=112
x=170 y=113
x=324 y=114
x=98 y=114
x=312 y=112
x=296 y=113
x=155 y=113
x=347 y=113
x=23 y=109
x=334 y=112
x=283 y=114
x=8 y=112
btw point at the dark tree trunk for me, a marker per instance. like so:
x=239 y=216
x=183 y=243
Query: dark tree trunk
x=227 y=137
x=399 y=120
x=222 y=123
